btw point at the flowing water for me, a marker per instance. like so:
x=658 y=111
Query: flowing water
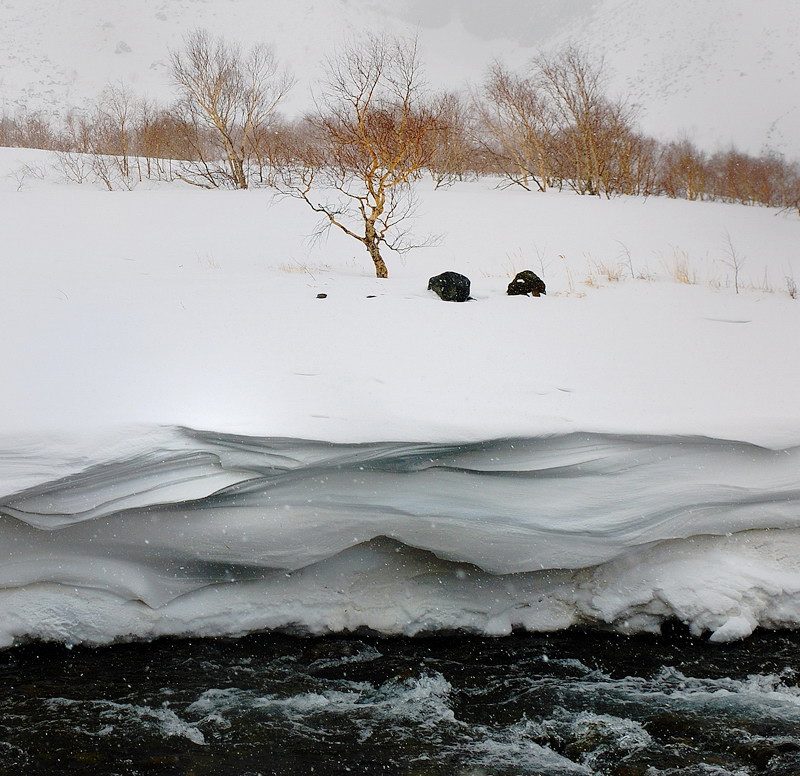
x=567 y=703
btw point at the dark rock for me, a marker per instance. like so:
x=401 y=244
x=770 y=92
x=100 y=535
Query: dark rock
x=450 y=286
x=526 y=282
x=784 y=764
x=328 y=650
x=671 y=727
x=630 y=769
x=762 y=753
x=322 y=296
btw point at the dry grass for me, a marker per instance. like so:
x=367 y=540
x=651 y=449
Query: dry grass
x=207 y=261
x=613 y=273
x=791 y=286
x=298 y=268
x=680 y=268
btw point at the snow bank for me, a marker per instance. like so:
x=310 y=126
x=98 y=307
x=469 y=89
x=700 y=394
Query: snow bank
x=219 y=533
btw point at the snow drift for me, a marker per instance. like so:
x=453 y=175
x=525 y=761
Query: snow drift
x=220 y=533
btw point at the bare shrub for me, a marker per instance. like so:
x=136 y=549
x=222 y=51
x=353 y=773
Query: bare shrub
x=611 y=272
x=739 y=177
x=160 y=142
x=631 y=160
x=791 y=286
x=30 y=130
x=73 y=166
x=733 y=259
x=101 y=141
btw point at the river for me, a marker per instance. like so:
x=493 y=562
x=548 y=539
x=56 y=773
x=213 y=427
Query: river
x=573 y=702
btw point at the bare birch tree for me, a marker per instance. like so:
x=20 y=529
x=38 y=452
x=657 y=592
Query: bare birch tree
x=373 y=132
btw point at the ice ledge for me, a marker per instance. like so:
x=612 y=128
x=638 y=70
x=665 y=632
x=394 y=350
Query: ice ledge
x=561 y=529
x=727 y=586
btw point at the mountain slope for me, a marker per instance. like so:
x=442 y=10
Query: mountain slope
x=723 y=71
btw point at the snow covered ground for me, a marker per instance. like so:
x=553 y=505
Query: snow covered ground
x=193 y=442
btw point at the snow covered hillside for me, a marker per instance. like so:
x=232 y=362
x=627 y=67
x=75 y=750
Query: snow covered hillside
x=721 y=71
x=194 y=442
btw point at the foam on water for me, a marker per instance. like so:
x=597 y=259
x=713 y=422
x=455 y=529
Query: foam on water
x=768 y=696
x=513 y=749
x=109 y=715
x=423 y=700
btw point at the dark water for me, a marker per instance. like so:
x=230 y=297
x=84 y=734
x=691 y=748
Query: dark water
x=570 y=703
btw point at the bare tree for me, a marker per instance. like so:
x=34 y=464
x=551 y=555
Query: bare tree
x=372 y=134
x=232 y=94
x=555 y=126
x=516 y=125
x=454 y=156
x=684 y=171
x=115 y=117
x=589 y=123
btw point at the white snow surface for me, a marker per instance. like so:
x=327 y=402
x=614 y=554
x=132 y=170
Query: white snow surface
x=191 y=442
x=719 y=72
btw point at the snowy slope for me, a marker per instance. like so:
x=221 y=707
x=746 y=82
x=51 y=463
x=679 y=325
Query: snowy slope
x=192 y=442
x=718 y=72
x=721 y=71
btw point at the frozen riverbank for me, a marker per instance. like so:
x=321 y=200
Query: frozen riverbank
x=214 y=534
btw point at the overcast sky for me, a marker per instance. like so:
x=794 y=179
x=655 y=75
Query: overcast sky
x=528 y=22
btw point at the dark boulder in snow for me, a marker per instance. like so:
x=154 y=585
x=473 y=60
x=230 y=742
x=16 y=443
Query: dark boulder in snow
x=450 y=286
x=526 y=282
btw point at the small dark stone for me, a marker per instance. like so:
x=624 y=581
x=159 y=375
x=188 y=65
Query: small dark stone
x=450 y=287
x=371 y=296
x=526 y=282
x=322 y=296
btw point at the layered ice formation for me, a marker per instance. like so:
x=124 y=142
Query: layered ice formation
x=207 y=533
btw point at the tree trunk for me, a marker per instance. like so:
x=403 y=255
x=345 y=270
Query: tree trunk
x=373 y=243
x=237 y=167
x=375 y=254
